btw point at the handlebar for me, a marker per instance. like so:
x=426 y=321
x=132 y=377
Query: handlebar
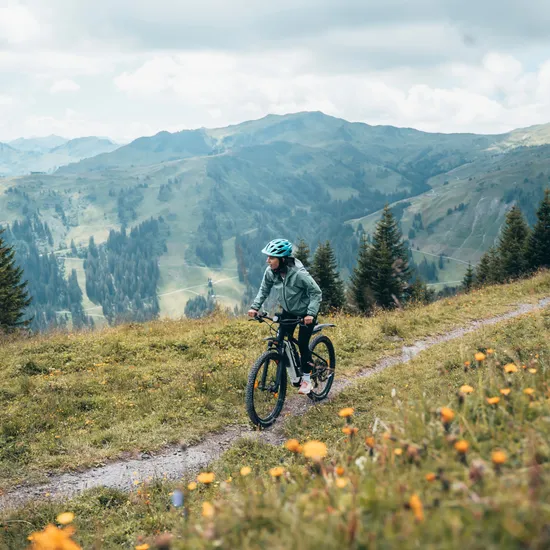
x=276 y=319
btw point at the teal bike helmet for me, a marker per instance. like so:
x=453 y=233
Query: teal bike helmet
x=280 y=248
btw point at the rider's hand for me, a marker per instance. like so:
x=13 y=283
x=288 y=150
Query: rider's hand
x=252 y=313
x=308 y=319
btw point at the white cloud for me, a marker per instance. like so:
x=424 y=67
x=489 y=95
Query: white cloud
x=5 y=100
x=17 y=24
x=493 y=96
x=65 y=85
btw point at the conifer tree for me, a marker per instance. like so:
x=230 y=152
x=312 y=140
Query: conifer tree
x=389 y=259
x=489 y=268
x=512 y=248
x=538 y=249
x=360 y=292
x=469 y=278
x=325 y=272
x=302 y=252
x=13 y=294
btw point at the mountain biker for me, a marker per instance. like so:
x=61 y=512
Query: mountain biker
x=299 y=295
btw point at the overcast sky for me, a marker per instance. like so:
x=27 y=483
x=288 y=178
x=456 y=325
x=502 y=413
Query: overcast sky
x=126 y=68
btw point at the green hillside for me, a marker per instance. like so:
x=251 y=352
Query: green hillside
x=463 y=211
x=301 y=175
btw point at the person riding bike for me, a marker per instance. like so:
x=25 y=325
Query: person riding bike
x=299 y=295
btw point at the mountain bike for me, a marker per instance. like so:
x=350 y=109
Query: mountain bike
x=267 y=381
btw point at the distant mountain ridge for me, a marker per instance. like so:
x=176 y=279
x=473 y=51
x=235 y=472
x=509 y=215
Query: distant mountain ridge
x=26 y=155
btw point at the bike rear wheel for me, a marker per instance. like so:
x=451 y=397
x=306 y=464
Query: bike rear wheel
x=324 y=360
x=264 y=400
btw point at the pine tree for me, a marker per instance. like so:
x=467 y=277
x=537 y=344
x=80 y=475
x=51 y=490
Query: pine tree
x=538 y=249
x=325 y=272
x=489 y=268
x=13 y=294
x=512 y=246
x=360 y=292
x=419 y=292
x=469 y=276
x=389 y=259
x=302 y=252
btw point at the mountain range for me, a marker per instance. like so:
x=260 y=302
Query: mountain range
x=46 y=154
x=303 y=174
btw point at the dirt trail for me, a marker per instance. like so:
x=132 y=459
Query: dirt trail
x=174 y=462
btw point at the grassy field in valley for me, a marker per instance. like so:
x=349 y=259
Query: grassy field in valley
x=450 y=450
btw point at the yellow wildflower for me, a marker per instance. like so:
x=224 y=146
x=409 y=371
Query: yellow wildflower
x=466 y=389
x=490 y=351
x=65 y=518
x=398 y=452
x=505 y=391
x=341 y=482
x=207 y=510
x=245 y=470
x=528 y=391
x=143 y=547
x=278 y=471
x=192 y=486
x=315 y=450
x=532 y=371
x=53 y=538
x=206 y=477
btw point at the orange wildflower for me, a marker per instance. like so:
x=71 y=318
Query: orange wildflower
x=447 y=415
x=493 y=400
x=416 y=506
x=498 y=457
x=510 y=367
x=505 y=391
x=346 y=412
x=480 y=356
x=206 y=477
x=466 y=389
x=293 y=445
x=462 y=446
x=315 y=450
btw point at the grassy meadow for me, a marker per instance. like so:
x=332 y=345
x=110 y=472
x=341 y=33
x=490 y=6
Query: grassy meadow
x=76 y=400
x=450 y=450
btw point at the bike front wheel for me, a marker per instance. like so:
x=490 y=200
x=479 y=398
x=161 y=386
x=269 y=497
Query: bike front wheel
x=264 y=396
x=324 y=360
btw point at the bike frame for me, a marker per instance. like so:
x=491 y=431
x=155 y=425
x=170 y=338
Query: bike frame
x=280 y=345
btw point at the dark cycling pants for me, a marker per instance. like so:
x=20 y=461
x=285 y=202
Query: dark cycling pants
x=304 y=335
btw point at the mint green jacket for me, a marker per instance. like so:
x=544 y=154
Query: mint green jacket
x=299 y=294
